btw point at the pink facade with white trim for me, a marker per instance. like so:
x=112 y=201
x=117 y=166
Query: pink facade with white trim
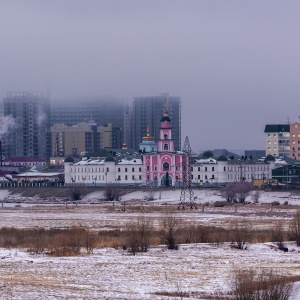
x=165 y=167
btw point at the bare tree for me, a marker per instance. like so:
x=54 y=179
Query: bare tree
x=76 y=190
x=112 y=192
x=138 y=236
x=295 y=228
x=242 y=190
x=277 y=235
x=256 y=196
x=229 y=192
x=169 y=229
x=150 y=195
x=241 y=235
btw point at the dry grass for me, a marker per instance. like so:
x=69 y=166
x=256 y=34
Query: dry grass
x=74 y=240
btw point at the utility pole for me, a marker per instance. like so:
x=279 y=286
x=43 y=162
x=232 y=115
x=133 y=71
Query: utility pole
x=187 y=193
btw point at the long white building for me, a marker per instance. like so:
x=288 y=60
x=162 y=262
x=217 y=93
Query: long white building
x=131 y=171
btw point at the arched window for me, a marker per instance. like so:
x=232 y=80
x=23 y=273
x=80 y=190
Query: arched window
x=166 y=136
x=166 y=166
x=166 y=147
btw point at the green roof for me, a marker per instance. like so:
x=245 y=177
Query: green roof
x=277 y=128
x=69 y=159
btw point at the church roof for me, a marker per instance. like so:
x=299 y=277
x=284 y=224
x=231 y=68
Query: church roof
x=165 y=118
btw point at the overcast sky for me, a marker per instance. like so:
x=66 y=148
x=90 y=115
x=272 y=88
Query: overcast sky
x=235 y=64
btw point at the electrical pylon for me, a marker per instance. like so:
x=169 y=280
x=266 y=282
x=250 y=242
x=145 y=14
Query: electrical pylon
x=187 y=193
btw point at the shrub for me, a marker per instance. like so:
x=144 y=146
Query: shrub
x=295 y=228
x=138 y=236
x=169 y=232
x=261 y=285
x=275 y=203
x=241 y=235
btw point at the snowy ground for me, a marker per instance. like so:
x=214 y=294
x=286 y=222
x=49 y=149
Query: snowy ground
x=198 y=269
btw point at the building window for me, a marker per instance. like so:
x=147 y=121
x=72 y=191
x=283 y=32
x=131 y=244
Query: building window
x=166 y=136
x=132 y=177
x=140 y=169
x=192 y=177
x=132 y=169
x=119 y=169
x=192 y=169
x=205 y=169
x=155 y=168
x=205 y=176
x=213 y=168
x=166 y=147
x=224 y=169
x=125 y=177
x=213 y=177
x=198 y=176
x=198 y=169
x=148 y=168
x=107 y=169
x=140 y=177
x=125 y=169
x=166 y=166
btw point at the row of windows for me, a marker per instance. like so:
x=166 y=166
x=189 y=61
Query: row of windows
x=236 y=168
x=205 y=177
x=95 y=169
x=247 y=176
x=102 y=178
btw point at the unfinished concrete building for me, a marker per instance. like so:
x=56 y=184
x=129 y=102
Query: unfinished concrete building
x=28 y=136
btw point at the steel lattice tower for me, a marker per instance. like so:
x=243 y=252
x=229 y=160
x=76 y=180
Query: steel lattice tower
x=187 y=193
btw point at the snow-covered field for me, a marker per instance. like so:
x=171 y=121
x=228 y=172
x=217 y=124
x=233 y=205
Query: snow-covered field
x=197 y=269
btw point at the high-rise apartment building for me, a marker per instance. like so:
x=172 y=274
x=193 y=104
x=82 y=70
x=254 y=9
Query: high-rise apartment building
x=147 y=111
x=277 y=139
x=100 y=112
x=77 y=139
x=295 y=139
x=30 y=114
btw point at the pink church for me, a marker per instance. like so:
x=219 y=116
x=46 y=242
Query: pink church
x=162 y=165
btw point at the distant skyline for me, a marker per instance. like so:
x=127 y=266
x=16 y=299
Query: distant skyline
x=235 y=64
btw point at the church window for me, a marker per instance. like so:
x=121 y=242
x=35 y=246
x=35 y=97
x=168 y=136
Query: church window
x=166 y=136
x=166 y=166
x=166 y=147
